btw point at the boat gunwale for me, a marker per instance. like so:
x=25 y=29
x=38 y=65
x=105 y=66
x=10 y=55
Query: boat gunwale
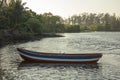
x=71 y=54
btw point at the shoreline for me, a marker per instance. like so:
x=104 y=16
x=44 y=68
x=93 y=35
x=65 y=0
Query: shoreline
x=13 y=39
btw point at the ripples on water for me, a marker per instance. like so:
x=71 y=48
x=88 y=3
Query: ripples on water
x=108 y=68
x=78 y=43
x=64 y=71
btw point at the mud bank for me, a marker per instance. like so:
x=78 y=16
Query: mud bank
x=12 y=39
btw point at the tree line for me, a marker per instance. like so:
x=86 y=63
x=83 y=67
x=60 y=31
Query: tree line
x=95 y=22
x=16 y=18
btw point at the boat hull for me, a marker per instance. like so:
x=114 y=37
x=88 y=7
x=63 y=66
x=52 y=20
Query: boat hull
x=31 y=56
x=28 y=59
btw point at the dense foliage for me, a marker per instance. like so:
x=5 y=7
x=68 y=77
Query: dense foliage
x=17 y=19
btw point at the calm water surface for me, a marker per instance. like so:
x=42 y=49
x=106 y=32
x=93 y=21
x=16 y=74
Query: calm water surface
x=108 y=68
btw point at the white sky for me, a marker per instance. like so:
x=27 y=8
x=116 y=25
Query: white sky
x=66 y=8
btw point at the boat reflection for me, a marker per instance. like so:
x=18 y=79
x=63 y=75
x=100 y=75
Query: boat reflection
x=28 y=65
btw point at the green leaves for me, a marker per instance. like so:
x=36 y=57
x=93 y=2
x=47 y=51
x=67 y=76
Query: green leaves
x=34 y=25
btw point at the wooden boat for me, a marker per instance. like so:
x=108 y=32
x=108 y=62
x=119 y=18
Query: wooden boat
x=32 y=56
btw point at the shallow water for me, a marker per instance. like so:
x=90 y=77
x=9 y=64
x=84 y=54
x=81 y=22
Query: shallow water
x=108 y=68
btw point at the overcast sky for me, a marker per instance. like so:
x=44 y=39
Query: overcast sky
x=66 y=8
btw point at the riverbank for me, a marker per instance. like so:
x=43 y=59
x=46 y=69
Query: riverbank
x=12 y=39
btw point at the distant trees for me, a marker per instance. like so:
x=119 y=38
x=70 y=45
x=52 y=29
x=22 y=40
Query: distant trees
x=52 y=23
x=72 y=28
x=95 y=22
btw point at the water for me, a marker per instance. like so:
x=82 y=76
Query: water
x=78 y=43
x=108 y=67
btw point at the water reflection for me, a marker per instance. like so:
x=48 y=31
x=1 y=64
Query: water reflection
x=28 y=65
x=61 y=71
